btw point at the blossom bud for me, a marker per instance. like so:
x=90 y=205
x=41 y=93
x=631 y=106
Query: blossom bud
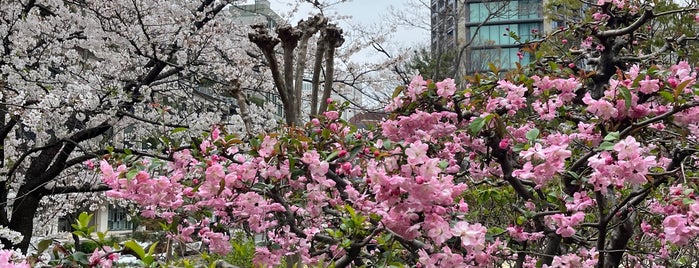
x=347 y=167
x=504 y=143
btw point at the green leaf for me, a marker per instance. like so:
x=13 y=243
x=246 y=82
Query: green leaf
x=476 y=125
x=101 y=236
x=687 y=201
x=151 y=250
x=493 y=68
x=84 y=220
x=518 y=147
x=132 y=173
x=443 y=164
x=355 y=151
x=397 y=91
x=626 y=94
x=606 y=146
x=43 y=245
x=136 y=248
x=495 y=230
x=164 y=226
x=667 y=96
x=681 y=87
x=79 y=233
x=178 y=130
x=81 y=258
x=350 y=210
x=612 y=136
x=148 y=260
x=532 y=134
x=387 y=144
x=332 y=156
x=573 y=174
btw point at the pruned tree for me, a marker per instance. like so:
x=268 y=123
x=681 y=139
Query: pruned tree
x=289 y=72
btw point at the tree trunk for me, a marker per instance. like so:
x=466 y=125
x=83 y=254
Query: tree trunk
x=317 y=68
x=23 y=212
x=333 y=41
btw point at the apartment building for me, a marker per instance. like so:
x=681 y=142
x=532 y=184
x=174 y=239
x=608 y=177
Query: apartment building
x=485 y=31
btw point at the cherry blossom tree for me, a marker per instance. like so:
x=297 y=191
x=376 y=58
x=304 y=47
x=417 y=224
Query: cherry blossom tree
x=570 y=163
x=82 y=79
x=586 y=159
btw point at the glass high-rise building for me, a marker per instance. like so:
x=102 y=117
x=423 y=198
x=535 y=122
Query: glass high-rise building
x=481 y=28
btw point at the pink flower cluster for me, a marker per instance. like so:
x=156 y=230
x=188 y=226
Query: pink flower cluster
x=420 y=126
x=512 y=101
x=630 y=166
x=543 y=163
x=585 y=258
x=9 y=259
x=681 y=223
x=564 y=224
x=547 y=108
x=100 y=258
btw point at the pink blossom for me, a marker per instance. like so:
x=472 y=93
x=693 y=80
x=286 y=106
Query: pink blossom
x=7 y=259
x=98 y=258
x=581 y=201
x=565 y=224
x=446 y=88
x=437 y=228
x=648 y=86
x=267 y=146
x=472 y=235
x=332 y=115
x=628 y=148
x=676 y=229
x=417 y=153
x=600 y=108
x=416 y=87
x=518 y=233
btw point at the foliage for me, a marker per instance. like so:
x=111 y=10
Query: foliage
x=587 y=168
x=429 y=66
x=243 y=251
x=588 y=161
x=101 y=251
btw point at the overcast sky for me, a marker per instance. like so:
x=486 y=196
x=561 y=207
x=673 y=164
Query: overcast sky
x=366 y=14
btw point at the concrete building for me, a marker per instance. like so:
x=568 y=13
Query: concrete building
x=483 y=28
x=259 y=12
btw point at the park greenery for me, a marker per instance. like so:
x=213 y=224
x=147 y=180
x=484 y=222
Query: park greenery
x=585 y=158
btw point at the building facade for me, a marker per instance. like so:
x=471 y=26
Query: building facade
x=259 y=12
x=486 y=31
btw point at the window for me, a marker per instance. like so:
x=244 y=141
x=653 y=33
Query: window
x=505 y=10
x=503 y=58
x=117 y=219
x=498 y=35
